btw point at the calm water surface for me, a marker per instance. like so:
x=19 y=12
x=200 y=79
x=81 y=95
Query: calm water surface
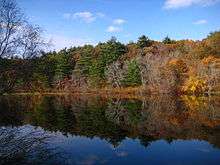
x=64 y=130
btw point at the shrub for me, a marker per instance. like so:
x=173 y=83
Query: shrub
x=195 y=85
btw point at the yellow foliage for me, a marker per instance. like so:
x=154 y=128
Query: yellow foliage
x=208 y=60
x=194 y=102
x=195 y=85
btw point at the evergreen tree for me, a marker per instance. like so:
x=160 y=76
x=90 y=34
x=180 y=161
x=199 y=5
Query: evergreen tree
x=111 y=51
x=213 y=41
x=107 y=54
x=144 y=41
x=167 y=40
x=85 y=60
x=133 y=76
x=96 y=73
x=63 y=67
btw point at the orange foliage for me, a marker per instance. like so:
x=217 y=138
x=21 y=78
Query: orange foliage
x=178 y=65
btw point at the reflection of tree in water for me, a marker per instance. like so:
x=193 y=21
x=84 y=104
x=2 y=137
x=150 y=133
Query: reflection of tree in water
x=26 y=145
x=93 y=122
x=155 y=117
x=54 y=116
x=13 y=109
x=119 y=108
x=146 y=140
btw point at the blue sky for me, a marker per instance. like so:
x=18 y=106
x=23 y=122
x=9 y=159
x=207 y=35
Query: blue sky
x=77 y=22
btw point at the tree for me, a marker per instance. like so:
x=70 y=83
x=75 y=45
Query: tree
x=17 y=38
x=115 y=73
x=46 y=65
x=111 y=51
x=108 y=52
x=213 y=41
x=144 y=41
x=7 y=75
x=63 y=67
x=30 y=43
x=97 y=73
x=85 y=60
x=11 y=21
x=133 y=76
x=174 y=73
x=167 y=40
x=209 y=71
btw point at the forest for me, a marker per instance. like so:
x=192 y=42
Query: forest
x=141 y=67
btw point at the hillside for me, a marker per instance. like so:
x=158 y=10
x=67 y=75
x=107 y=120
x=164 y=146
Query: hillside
x=145 y=66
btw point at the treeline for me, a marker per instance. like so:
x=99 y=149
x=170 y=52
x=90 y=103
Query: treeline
x=169 y=66
x=144 y=66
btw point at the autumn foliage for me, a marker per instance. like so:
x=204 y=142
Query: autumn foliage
x=185 y=66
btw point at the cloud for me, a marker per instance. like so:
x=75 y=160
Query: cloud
x=116 y=27
x=119 y=21
x=200 y=22
x=59 y=42
x=113 y=29
x=101 y=15
x=84 y=16
x=175 y=4
x=122 y=154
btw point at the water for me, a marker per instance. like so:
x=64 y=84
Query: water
x=59 y=130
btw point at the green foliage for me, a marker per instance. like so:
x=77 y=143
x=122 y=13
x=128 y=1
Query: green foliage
x=111 y=51
x=97 y=73
x=107 y=54
x=163 y=66
x=144 y=41
x=85 y=60
x=133 y=107
x=63 y=66
x=133 y=76
x=213 y=41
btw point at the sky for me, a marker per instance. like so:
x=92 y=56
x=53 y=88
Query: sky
x=77 y=22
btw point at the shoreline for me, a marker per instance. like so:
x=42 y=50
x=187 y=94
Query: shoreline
x=135 y=93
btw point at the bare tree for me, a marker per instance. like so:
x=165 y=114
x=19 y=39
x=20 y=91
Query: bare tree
x=30 y=43
x=115 y=73
x=18 y=38
x=11 y=21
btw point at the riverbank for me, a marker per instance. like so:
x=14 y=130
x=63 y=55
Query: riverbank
x=130 y=93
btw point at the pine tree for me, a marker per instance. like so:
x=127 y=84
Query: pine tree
x=144 y=41
x=133 y=77
x=85 y=60
x=167 y=40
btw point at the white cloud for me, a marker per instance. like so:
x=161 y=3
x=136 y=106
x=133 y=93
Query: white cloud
x=174 y=4
x=122 y=154
x=100 y=15
x=59 y=42
x=200 y=22
x=86 y=16
x=119 y=21
x=116 y=27
x=112 y=29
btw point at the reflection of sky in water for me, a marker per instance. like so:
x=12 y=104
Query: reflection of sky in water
x=86 y=151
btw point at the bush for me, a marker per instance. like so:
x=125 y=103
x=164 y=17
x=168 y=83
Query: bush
x=195 y=85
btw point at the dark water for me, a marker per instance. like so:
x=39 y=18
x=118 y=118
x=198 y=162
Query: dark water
x=88 y=130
